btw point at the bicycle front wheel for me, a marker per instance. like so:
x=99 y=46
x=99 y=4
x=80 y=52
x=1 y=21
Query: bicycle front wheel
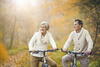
x=74 y=65
x=44 y=65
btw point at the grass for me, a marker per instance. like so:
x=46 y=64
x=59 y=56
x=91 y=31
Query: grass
x=14 y=51
x=95 y=63
x=56 y=56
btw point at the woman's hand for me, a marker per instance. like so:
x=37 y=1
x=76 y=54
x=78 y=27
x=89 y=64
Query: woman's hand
x=31 y=51
x=55 y=48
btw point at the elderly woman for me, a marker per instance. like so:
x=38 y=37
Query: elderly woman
x=40 y=41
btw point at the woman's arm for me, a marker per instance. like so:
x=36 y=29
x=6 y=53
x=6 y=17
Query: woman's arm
x=31 y=42
x=52 y=42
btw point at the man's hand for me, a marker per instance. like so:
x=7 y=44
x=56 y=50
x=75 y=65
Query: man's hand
x=87 y=52
x=63 y=50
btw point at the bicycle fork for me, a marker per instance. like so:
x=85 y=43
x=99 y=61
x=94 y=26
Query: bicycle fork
x=44 y=59
x=74 y=62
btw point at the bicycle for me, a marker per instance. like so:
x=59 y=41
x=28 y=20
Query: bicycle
x=44 y=61
x=75 y=54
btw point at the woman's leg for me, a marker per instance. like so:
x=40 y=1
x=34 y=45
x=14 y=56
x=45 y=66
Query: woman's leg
x=51 y=62
x=35 y=61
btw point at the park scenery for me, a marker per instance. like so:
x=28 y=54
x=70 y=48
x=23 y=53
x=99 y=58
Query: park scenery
x=20 y=19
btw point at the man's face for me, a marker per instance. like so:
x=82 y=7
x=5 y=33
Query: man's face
x=77 y=26
x=43 y=29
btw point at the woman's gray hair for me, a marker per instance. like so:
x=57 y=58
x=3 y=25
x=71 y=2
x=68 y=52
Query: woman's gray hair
x=46 y=24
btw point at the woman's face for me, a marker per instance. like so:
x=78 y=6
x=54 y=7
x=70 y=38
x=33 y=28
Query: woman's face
x=43 y=29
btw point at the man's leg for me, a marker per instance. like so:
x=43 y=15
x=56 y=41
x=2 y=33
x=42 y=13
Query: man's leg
x=84 y=62
x=51 y=62
x=34 y=62
x=66 y=59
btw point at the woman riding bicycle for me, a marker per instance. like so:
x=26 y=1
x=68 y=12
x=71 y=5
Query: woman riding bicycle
x=40 y=41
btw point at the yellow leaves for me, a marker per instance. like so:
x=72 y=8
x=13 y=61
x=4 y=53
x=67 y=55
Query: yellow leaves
x=1 y=35
x=72 y=1
x=63 y=12
x=67 y=9
x=24 y=60
x=3 y=53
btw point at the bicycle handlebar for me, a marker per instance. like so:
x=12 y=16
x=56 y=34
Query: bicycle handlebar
x=73 y=52
x=51 y=50
x=37 y=51
x=45 y=50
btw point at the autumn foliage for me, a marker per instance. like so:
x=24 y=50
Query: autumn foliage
x=3 y=53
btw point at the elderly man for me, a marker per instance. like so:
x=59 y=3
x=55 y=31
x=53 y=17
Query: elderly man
x=82 y=43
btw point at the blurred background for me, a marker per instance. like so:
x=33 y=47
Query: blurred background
x=19 y=19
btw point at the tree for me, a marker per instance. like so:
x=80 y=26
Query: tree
x=90 y=12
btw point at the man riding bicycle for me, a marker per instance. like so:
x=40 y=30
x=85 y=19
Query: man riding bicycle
x=82 y=43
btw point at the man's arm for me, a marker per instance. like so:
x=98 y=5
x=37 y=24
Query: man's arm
x=90 y=42
x=68 y=42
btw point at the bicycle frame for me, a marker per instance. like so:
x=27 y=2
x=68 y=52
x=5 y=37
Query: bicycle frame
x=74 y=62
x=44 y=56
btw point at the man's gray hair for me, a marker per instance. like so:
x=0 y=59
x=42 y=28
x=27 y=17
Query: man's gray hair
x=46 y=24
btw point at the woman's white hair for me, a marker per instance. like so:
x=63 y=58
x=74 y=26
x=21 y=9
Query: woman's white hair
x=46 y=24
